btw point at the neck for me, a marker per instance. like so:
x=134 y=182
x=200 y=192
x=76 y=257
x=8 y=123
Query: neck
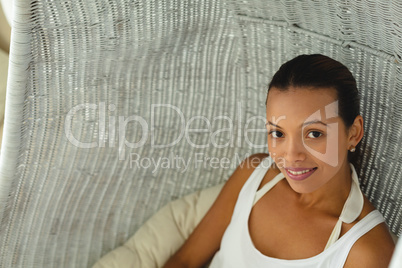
x=332 y=196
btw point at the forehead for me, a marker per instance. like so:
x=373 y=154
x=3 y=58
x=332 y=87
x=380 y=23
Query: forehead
x=298 y=104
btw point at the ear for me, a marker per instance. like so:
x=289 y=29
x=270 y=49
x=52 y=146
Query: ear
x=356 y=132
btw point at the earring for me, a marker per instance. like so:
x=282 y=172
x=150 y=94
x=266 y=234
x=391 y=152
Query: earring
x=353 y=149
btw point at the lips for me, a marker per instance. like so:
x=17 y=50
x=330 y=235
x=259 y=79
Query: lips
x=299 y=174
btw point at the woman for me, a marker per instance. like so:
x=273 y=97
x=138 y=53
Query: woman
x=308 y=210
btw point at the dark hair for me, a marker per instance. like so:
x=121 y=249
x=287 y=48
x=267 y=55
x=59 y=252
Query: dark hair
x=319 y=71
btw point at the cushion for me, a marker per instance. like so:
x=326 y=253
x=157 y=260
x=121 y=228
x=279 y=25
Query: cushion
x=163 y=234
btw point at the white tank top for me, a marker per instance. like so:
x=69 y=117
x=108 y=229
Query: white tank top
x=238 y=251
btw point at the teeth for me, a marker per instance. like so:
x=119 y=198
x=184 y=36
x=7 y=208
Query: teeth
x=299 y=172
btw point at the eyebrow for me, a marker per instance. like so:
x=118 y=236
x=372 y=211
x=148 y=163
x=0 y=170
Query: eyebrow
x=304 y=124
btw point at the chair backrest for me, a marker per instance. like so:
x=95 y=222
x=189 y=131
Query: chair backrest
x=116 y=107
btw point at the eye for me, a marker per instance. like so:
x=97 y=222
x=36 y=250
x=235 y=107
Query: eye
x=314 y=134
x=276 y=134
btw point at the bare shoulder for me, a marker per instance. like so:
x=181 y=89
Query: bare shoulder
x=245 y=169
x=230 y=191
x=372 y=250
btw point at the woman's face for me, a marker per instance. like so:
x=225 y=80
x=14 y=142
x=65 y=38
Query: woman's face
x=306 y=137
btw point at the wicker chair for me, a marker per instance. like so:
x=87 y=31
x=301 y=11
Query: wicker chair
x=100 y=91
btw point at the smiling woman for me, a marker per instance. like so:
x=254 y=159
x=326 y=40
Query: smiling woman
x=306 y=209
x=299 y=93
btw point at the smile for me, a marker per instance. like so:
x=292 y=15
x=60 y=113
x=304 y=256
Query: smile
x=300 y=174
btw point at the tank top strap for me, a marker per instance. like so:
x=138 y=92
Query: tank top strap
x=268 y=186
x=351 y=209
x=246 y=195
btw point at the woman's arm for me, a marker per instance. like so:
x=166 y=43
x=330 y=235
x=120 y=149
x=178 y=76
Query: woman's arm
x=205 y=240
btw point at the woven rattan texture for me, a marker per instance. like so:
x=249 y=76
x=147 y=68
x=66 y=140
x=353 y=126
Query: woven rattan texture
x=112 y=91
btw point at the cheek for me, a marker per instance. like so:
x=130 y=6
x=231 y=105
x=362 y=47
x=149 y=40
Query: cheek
x=336 y=143
x=273 y=145
x=329 y=150
x=273 y=149
x=319 y=145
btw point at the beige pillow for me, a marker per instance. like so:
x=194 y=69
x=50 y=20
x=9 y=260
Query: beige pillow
x=163 y=234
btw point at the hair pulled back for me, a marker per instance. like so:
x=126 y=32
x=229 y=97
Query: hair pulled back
x=318 y=71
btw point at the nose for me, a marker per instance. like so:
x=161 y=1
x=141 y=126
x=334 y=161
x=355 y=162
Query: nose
x=294 y=151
